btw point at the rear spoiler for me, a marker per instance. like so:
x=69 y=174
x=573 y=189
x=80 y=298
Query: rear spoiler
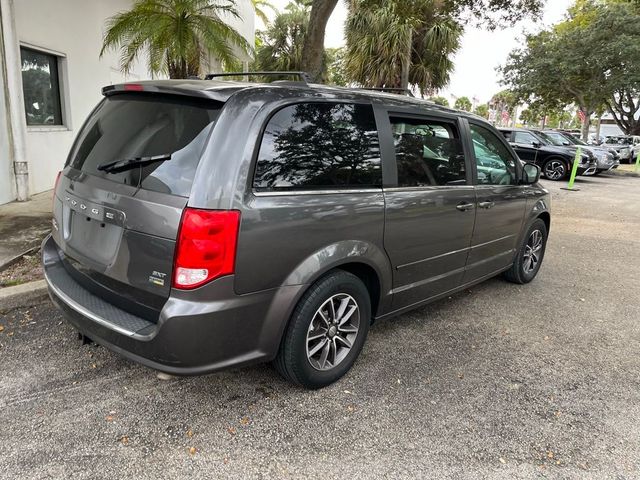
x=186 y=89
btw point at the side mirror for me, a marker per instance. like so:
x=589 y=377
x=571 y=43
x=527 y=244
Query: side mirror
x=566 y=144
x=531 y=173
x=535 y=144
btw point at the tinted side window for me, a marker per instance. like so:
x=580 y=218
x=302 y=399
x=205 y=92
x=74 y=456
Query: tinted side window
x=428 y=152
x=494 y=162
x=524 y=137
x=506 y=134
x=318 y=146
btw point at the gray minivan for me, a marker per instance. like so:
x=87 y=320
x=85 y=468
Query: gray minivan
x=199 y=224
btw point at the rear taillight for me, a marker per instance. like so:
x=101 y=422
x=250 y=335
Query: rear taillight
x=133 y=87
x=206 y=247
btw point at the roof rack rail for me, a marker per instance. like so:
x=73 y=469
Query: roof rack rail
x=304 y=76
x=404 y=91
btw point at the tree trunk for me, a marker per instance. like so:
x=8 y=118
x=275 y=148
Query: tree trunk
x=313 y=48
x=585 y=127
x=623 y=108
x=406 y=66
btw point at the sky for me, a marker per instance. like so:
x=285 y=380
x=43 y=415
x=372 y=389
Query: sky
x=481 y=52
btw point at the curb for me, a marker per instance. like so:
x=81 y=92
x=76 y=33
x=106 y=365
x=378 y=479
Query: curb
x=18 y=257
x=22 y=295
x=623 y=173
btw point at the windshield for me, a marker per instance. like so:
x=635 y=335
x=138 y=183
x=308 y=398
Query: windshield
x=564 y=138
x=618 y=140
x=127 y=126
x=553 y=139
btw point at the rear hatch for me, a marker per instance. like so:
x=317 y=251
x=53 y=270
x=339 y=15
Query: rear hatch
x=117 y=225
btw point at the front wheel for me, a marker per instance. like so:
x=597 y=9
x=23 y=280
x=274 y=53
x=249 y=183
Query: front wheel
x=326 y=332
x=530 y=256
x=555 y=169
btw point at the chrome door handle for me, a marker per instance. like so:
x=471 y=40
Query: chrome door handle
x=486 y=204
x=463 y=207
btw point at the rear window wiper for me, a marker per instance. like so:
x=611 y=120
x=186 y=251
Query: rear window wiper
x=127 y=163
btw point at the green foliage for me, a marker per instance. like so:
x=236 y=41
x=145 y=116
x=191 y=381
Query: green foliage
x=493 y=13
x=530 y=117
x=176 y=35
x=396 y=43
x=440 y=101
x=336 y=74
x=580 y=61
x=282 y=42
x=259 y=6
x=463 y=103
x=482 y=110
x=559 y=119
x=504 y=100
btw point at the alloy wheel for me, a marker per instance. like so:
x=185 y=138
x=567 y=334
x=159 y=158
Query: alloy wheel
x=554 y=170
x=333 y=331
x=532 y=252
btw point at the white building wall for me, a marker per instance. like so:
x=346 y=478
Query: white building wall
x=244 y=24
x=73 y=29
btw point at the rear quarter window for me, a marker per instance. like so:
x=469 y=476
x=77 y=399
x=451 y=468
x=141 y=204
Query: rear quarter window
x=126 y=126
x=311 y=146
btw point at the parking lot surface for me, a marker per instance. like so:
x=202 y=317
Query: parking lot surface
x=499 y=381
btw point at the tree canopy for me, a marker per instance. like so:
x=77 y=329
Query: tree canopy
x=488 y=13
x=463 y=103
x=581 y=61
x=282 y=42
x=177 y=35
x=440 y=101
x=482 y=110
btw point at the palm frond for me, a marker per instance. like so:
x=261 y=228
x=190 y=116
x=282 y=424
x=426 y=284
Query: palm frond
x=176 y=35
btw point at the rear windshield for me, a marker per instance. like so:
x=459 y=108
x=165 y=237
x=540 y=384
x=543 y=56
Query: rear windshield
x=126 y=126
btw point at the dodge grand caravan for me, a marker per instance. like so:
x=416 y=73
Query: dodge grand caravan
x=199 y=225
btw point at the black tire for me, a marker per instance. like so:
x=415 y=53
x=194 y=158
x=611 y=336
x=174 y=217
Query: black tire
x=518 y=273
x=560 y=163
x=293 y=361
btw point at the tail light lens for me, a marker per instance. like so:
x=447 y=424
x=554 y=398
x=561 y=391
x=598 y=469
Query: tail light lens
x=206 y=247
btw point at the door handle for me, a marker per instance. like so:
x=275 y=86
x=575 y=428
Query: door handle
x=463 y=207
x=486 y=205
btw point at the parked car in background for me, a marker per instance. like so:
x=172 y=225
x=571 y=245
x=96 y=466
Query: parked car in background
x=606 y=159
x=555 y=161
x=188 y=247
x=626 y=146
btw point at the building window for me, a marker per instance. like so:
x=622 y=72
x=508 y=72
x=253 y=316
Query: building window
x=41 y=86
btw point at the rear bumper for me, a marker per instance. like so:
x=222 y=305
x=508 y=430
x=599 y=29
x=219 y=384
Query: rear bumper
x=199 y=331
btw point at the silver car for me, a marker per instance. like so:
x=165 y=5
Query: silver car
x=606 y=159
x=626 y=146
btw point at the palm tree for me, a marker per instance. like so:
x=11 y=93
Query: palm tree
x=281 y=44
x=177 y=35
x=463 y=103
x=397 y=43
x=259 y=7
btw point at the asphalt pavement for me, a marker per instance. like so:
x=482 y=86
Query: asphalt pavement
x=500 y=381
